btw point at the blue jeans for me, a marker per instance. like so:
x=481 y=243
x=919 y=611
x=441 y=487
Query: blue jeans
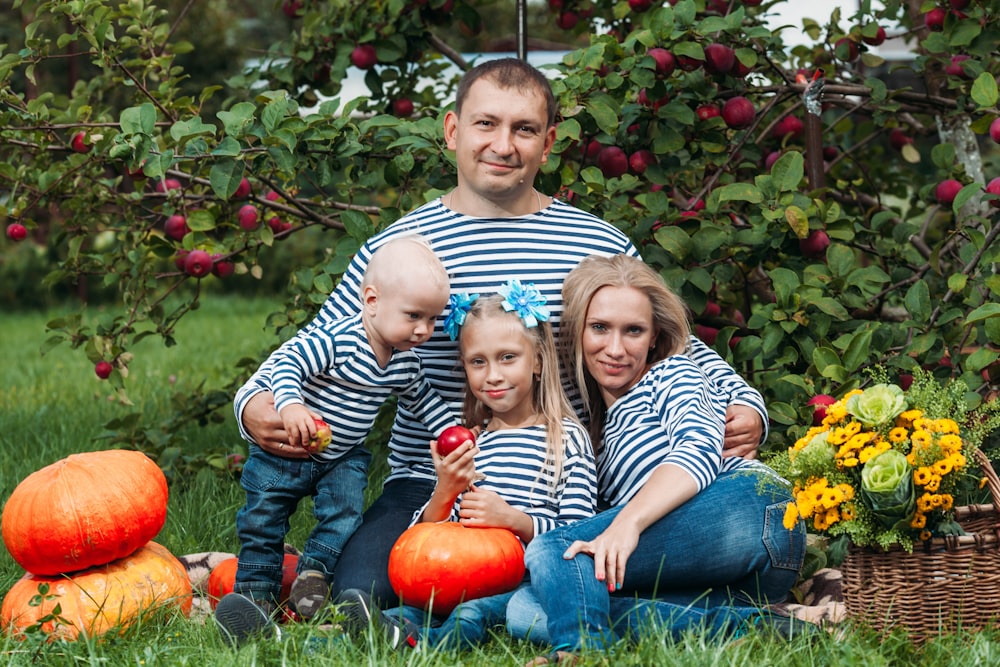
x=364 y=562
x=274 y=486
x=467 y=625
x=726 y=547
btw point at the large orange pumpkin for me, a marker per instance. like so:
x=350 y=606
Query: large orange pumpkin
x=222 y=578
x=435 y=566
x=84 y=510
x=102 y=598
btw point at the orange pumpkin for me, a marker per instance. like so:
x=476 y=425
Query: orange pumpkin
x=102 y=598
x=435 y=566
x=222 y=578
x=84 y=510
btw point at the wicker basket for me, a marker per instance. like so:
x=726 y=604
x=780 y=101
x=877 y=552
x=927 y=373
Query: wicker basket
x=946 y=584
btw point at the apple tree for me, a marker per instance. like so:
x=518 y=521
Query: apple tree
x=820 y=207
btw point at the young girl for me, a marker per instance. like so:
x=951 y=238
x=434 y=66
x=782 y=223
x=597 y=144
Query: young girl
x=530 y=470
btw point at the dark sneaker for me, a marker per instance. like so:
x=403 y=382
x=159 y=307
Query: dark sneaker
x=239 y=618
x=309 y=594
x=360 y=614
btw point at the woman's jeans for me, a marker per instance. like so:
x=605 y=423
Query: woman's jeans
x=726 y=547
x=274 y=486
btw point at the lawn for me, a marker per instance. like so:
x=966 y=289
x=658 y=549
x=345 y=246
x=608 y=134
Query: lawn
x=54 y=405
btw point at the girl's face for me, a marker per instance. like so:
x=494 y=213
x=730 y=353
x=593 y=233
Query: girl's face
x=618 y=333
x=500 y=366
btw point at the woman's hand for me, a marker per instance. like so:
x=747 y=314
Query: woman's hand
x=610 y=550
x=744 y=428
x=264 y=425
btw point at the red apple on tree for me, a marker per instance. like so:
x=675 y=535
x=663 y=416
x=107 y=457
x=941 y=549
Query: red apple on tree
x=363 y=56
x=719 y=59
x=815 y=244
x=995 y=130
x=706 y=111
x=934 y=19
x=788 y=125
x=248 y=217
x=665 y=61
x=820 y=401
x=222 y=268
x=846 y=49
x=167 y=184
x=567 y=20
x=198 y=263
x=79 y=143
x=452 y=438
x=176 y=227
x=640 y=5
x=243 y=190
x=993 y=188
x=876 y=39
x=16 y=231
x=402 y=107
x=954 y=68
x=640 y=160
x=612 y=161
x=899 y=138
x=738 y=112
x=946 y=191
x=292 y=8
x=103 y=369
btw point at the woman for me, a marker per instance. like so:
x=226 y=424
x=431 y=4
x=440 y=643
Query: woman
x=684 y=525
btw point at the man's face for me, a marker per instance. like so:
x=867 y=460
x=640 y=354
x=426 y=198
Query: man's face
x=500 y=141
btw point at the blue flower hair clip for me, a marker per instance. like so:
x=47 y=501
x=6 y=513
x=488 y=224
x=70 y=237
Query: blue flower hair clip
x=526 y=301
x=460 y=304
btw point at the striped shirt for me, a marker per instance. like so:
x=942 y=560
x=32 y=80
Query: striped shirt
x=480 y=254
x=673 y=415
x=518 y=469
x=335 y=373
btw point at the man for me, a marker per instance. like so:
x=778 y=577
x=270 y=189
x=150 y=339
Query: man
x=493 y=227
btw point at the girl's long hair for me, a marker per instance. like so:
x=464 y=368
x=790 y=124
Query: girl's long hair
x=549 y=398
x=670 y=320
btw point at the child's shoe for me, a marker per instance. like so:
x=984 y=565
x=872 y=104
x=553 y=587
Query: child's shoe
x=360 y=614
x=309 y=594
x=239 y=618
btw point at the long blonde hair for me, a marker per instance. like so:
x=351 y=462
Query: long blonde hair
x=548 y=399
x=670 y=320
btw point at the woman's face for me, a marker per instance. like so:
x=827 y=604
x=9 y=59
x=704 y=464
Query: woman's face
x=618 y=333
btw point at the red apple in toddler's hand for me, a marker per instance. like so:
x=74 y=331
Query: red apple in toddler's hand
x=452 y=437
x=323 y=437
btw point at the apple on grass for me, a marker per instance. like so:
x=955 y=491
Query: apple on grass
x=452 y=438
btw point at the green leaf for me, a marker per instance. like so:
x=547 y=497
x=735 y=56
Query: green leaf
x=605 y=112
x=358 y=225
x=201 y=220
x=138 y=120
x=739 y=192
x=225 y=177
x=185 y=129
x=957 y=282
x=984 y=312
x=238 y=120
x=784 y=282
x=965 y=194
x=788 y=170
x=964 y=32
x=674 y=240
x=981 y=358
x=797 y=221
x=984 y=90
x=856 y=354
x=918 y=301
x=831 y=307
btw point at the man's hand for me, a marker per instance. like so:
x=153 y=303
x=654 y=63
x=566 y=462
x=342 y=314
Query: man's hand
x=264 y=425
x=744 y=428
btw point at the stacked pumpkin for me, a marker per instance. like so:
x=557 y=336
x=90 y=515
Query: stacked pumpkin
x=83 y=526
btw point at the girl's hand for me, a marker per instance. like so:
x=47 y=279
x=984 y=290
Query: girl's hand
x=484 y=509
x=610 y=550
x=457 y=471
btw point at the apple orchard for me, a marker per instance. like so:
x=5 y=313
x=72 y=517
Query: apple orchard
x=820 y=207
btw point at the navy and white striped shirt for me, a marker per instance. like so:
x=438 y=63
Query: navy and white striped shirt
x=674 y=415
x=516 y=464
x=335 y=373
x=481 y=254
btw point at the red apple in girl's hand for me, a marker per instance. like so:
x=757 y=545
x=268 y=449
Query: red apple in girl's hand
x=452 y=437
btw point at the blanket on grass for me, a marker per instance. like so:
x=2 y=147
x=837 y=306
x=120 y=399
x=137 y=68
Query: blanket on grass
x=818 y=599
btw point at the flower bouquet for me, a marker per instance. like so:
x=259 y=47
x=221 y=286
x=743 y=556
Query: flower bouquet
x=883 y=477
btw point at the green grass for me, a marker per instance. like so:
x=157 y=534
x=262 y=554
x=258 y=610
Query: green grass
x=54 y=405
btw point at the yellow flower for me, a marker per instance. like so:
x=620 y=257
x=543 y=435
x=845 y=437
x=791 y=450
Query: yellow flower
x=907 y=417
x=835 y=413
x=924 y=503
x=850 y=462
x=943 y=467
x=950 y=442
x=922 y=475
x=933 y=484
x=847 y=512
x=946 y=426
x=847 y=490
x=898 y=435
x=791 y=516
x=921 y=424
x=925 y=535
x=919 y=520
x=947 y=501
x=838 y=436
x=853 y=428
x=921 y=438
